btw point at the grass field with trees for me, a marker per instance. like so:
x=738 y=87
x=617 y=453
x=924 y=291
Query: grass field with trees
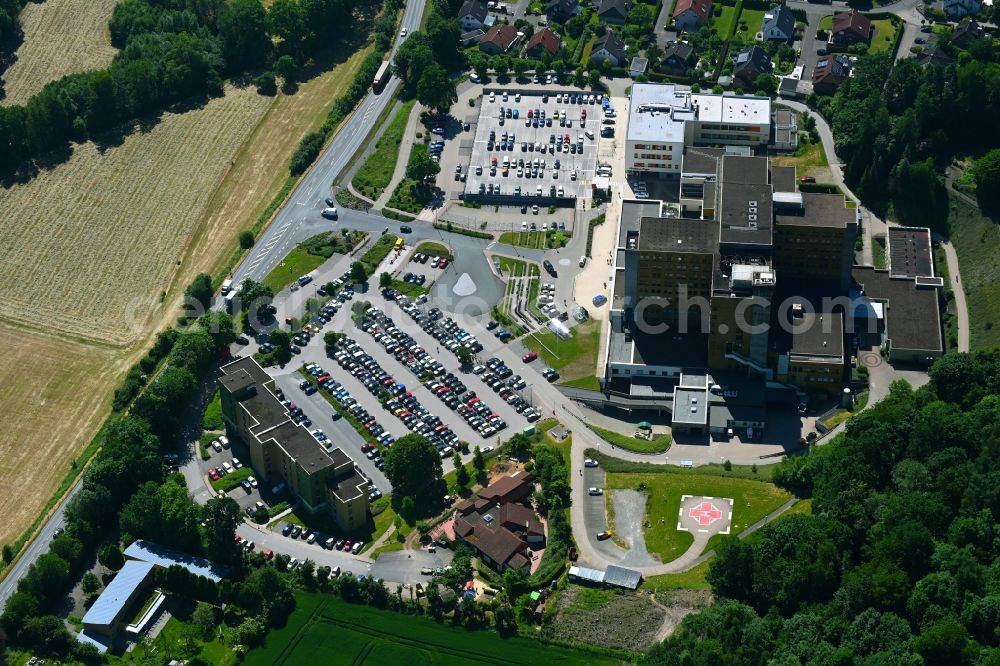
x=374 y=175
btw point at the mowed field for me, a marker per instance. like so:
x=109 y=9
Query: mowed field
x=54 y=393
x=351 y=634
x=60 y=37
x=91 y=244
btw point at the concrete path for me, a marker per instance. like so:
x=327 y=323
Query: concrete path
x=961 y=308
x=403 y=156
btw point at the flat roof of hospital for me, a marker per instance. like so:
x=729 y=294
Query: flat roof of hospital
x=690 y=406
x=732 y=108
x=649 y=116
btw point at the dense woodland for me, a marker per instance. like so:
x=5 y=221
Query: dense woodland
x=169 y=51
x=900 y=561
x=896 y=128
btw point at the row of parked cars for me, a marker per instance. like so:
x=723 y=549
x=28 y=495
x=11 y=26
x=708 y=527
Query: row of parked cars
x=502 y=380
x=294 y=531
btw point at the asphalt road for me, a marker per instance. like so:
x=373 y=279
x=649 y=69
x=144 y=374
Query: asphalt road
x=306 y=201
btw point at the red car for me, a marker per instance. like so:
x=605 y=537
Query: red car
x=347 y=546
x=808 y=179
x=237 y=538
x=529 y=357
x=268 y=554
x=443 y=263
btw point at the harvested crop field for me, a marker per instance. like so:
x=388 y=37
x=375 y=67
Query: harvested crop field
x=91 y=244
x=54 y=394
x=60 y=37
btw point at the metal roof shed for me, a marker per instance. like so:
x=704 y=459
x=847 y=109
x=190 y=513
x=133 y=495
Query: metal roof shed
x=622 y=577
x=585 y=575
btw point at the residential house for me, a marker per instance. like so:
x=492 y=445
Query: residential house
x=561 y=11
x=471 y=37
x=778 y=24
x=933 y=54
x=830 y=72
x=614 y=11
x=956 y=9
x=610 y=48
x=965 y=33
x=498 y=524
x=678 y=58
x=543 y=42
x=472 y=15
x=690 y=15
x=498 y=39
x=750 y=63
x=849 y=28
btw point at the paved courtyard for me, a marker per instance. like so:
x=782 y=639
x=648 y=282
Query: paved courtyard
x=707 y=515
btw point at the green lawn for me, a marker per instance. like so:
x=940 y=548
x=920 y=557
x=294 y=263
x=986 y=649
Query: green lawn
x=574 y=358
x=212 y=418
x=433 y=249
x=724 y=23
x=180 y=639
x=658 y=444
x=693 y=579
x=884 y=36
x=346 y=633
x=826 y=23
x=298 y=262
x=752 y=19
x=232 y=480
x=807 y=159
x=374 y=175
x=536 y=239
x=977 y=241
x=752 y=500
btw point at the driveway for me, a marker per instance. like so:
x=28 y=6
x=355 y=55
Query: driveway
x=404 y=566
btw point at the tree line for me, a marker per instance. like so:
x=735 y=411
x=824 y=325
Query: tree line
x=897 y=126
x=169 y=51
x=899 y=562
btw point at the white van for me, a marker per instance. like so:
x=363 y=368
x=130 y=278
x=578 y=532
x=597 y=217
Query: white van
x=589 y=135
x=583 y=261
x=227 y=286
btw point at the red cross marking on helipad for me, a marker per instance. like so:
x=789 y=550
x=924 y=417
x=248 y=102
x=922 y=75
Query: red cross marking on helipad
x=705 y=513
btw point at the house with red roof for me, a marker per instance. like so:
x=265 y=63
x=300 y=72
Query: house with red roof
x=690 y=15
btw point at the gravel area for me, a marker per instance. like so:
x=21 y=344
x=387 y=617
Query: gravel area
x=630 y=510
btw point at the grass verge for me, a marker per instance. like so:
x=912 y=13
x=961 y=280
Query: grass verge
x=878 y=252
x=433 y=249
x=658 y=444
x=374 y=175
x=977 y=242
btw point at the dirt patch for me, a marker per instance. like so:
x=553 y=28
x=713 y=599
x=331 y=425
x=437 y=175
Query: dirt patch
x=676 y=605
x=609 y=618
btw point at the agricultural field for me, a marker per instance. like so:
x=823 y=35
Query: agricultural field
x=752 y=500
x=97 y=239
x=60 y=37
x=352 y=634
x=50 y=419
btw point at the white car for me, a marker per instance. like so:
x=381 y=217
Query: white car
x=588 y=462
x=292 y=563
x=228 y=467
x=236 y=463
x=330 y=213
x=217 y=445
x=253 y=482
x=595 y=491
x=224 y=441
x=402 y=33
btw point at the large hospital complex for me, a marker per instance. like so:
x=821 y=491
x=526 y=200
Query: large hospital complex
x=735 y=288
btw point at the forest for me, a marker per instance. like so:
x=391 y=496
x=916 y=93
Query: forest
x=896 y=127
x=170 y=51
x=899 y=562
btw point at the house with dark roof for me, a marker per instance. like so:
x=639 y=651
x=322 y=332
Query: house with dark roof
x=933 y=54
x=543 y=42
x=498 y=524
x=750 y=63
x=561 y=11
x=778 y=24
x=690 y=15
x=851 y=27
x=965 y=33
x=614 y=11
x=678 y=58
x=830 y=72
x=608 y=47
x=472 y=15
x=471 y=38
x=498 y=39
x=956 y=9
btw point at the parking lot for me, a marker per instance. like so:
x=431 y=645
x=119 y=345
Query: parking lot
x=549 y=140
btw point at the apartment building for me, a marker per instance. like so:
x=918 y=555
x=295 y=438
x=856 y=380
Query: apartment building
x=322 y=477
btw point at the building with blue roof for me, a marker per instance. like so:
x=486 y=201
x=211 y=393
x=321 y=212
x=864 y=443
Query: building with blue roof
x=113 y=611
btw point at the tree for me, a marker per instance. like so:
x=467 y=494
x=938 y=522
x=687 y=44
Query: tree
x=593 y=78
x=266 y=83
x=90 y=583
x=198 y=295
x=461 y=474
x=413 y=466
x=160 y=404
x=287 y=69
x=502 y=67
x=246 y=240
x=520 y=67
x=282 y=341
x=111 y=557
x=221 y=516
x=384 y=280
x=436 y=90
x=243 y=31
x=358 y=273
x=986 y=171
x=285 y=19
x=330 y=339
x=90 y=507
x=478 y=460
x=254 y=299
x=421 y=167
x=205 y=617
x=220 y=327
